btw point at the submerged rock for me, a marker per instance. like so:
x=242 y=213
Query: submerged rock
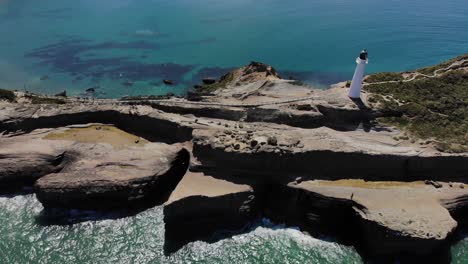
x=127 y=83
x=168 y=82
x=92 y=89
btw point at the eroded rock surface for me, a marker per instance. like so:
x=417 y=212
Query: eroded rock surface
x=202 y=206
x=22 y=163
x=115 y=179
x=259 y=146
x=324 y=153
x=392 y=217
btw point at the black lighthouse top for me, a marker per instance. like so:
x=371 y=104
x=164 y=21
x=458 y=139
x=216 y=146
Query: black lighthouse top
x=363 y=55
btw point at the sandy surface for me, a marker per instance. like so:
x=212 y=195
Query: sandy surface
x=98 y=134
x=199 y=184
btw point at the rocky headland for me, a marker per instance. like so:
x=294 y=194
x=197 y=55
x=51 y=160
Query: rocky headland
x=374 y=173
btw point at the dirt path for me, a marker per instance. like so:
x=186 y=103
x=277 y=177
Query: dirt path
x=434 y=74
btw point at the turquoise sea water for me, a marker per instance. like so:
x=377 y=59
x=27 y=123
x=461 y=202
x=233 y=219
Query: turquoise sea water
x=140 y=239
x=75 y=45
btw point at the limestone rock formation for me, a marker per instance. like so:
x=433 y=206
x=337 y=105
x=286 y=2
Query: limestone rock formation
x=259 y=146
x=202 y=206
x=392 y=217
x=118 y=179
x=22 y=163
x=322 y=153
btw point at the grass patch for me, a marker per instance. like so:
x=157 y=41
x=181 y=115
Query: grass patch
x=7 y=95
x=434 y=108
x=221 y=84
x=384 y=77
x=46 y=100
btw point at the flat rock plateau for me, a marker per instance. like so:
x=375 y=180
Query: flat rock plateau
x=251 y=145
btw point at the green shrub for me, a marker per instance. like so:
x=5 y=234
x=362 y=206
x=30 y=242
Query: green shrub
x=384 y=77
x=428 y=108
x=7 y=95
x=221 y=84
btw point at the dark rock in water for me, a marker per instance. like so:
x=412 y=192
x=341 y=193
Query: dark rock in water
x=44 y=77
x=168 y=82
x=62 y=94
x=197 y=86
x=170 y=94
x=118 y=180
x=128 y=83
x=209 y=80
x=92 y=89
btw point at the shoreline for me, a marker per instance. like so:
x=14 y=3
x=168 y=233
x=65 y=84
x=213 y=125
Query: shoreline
x=249 y=146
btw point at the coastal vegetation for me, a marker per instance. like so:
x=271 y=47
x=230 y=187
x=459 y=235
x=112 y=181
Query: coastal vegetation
x=430 y=70
x=384 y=77
x=222 y=83
x=7 y=95
x=46 y=100
x=430 y=108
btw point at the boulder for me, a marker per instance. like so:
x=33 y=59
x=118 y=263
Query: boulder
x=202 y=206
x=121 y=179
x=22 y=164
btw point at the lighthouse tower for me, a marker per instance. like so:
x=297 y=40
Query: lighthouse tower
x=356 y=84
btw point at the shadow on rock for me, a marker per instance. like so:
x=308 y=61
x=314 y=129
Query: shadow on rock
x=209 y=219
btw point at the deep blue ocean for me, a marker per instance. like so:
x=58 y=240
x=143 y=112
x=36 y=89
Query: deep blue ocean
x=127 y=47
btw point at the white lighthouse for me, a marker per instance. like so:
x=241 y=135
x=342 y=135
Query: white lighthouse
x=356 y=84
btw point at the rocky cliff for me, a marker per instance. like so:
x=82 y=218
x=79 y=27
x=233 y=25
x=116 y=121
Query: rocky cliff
x=255 y=146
